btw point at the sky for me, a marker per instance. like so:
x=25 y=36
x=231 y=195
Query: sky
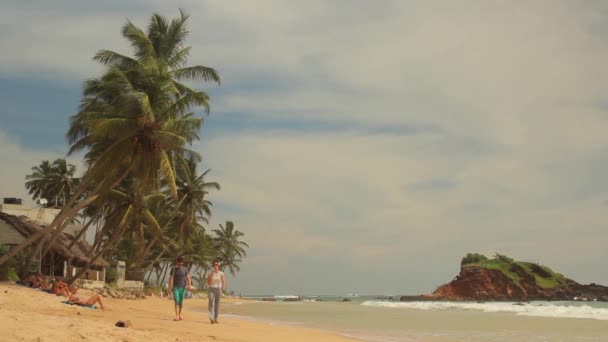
x=362 y=146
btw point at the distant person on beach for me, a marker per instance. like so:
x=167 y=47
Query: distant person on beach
x=75 y=299
x=178 y=281
x=37 y=281
x=217 y=283
x=60 y=288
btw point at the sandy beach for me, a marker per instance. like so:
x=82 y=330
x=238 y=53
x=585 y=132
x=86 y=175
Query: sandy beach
x=32 y=315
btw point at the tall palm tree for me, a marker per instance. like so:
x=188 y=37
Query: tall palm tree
x=231 y=248
x=135 y=120
x=193 y=191
x=63 y=183
x=37 y=183
x=52 y=181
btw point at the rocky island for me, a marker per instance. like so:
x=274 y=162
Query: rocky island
x=504 y=279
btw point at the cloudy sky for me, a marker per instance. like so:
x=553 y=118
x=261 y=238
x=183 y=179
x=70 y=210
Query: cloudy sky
x=362 y=146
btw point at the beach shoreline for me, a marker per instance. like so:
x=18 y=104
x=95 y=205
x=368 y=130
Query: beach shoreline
x=32 y=315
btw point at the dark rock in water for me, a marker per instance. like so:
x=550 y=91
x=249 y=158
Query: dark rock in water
x=421 y=298
x=293 y=299
x=345 y=300
x=269 y=299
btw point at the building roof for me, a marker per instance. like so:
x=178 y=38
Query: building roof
x=79 y=252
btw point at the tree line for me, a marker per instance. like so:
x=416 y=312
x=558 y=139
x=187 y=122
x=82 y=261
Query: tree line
x=140 y=191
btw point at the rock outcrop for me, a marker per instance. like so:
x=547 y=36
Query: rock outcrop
x=503 y=279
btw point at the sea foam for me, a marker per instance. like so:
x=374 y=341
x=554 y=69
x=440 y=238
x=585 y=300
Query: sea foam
x=537 y=309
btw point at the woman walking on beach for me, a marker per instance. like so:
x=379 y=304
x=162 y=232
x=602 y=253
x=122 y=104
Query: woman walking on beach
x=217 y=284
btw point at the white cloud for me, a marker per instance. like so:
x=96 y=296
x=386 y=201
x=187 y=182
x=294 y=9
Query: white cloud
x=515 y=90
x=346 y=197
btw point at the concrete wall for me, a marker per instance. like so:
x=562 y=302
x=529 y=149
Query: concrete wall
x=90 y=284
x=38 y=215
x=92 y=275
x=134 y=284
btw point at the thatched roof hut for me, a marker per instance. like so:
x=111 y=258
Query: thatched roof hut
x=78 y=254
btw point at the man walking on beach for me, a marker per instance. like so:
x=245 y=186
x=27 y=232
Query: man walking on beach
x=178 y=280
x=217 y=284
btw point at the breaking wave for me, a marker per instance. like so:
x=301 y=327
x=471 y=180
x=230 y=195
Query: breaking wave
x=597 y=311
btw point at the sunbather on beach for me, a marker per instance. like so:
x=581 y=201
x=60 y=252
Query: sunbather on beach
x=94 y=299
x=37 y=281
x=60 y=288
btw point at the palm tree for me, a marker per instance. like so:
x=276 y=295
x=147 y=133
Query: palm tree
x=133 y=221
x=193 y=190
x=135 y=120
x=231 y=249
x=54 y=182
x=37 y=183
x=63 y=183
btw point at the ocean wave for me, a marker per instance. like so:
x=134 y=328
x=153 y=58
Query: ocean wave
x=537 y=309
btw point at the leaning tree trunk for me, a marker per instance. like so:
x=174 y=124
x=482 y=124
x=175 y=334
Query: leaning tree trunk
x=100 y=252
x=24 y=268
x=80 y=234
x=97 y=189
x=66 y=213
x=63 y=214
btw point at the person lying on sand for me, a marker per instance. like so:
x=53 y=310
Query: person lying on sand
x=37 y=281
x=94 y=299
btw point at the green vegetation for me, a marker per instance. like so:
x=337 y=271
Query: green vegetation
x=55 y=182
x=4 y=269
x=472 y=258
x=140 y=191
x=111 y=275
x=516 y=270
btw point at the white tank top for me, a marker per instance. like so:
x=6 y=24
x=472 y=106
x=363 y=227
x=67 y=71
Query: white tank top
x=216 y=279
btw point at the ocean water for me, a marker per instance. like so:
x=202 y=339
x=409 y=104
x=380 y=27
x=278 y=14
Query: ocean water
x=370 y=319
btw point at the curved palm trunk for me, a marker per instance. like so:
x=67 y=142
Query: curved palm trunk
x=80 y=234
x=58 y=231
x=24 y=268
x=66 y=213
x=49 y=229
x=100 y=251
x=142 y=254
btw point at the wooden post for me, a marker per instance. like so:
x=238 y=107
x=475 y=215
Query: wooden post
x=52 y=264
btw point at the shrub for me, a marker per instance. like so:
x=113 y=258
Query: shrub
x=34 y=266
x=517 y=269
x=111 y=275
x=503 y=258
x=472 y=258
x=12 y=275
x=4 y=269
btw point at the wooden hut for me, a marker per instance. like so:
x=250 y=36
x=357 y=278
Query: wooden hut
x=60 y=261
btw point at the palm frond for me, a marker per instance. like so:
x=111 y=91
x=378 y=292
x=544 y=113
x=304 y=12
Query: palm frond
x=142 y=44
x=197 y=73
x=168 y=173
x=108 y=57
